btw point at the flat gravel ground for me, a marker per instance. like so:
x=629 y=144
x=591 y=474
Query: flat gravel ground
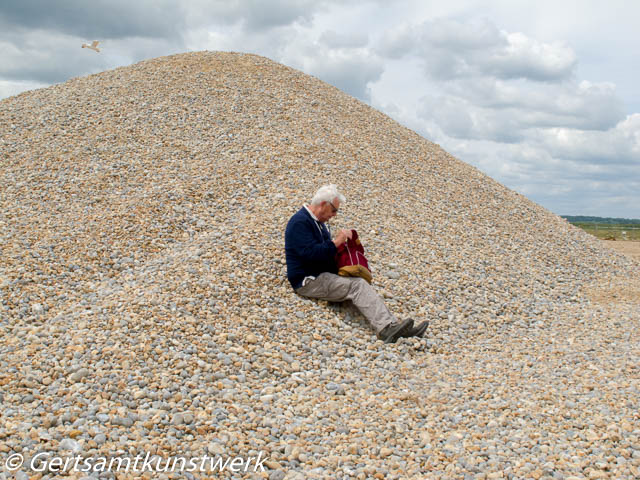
x=631 y=249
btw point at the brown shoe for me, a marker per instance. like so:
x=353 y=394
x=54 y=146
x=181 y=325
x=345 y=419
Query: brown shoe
x=392 y=332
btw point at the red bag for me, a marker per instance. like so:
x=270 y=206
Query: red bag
x=351 y=260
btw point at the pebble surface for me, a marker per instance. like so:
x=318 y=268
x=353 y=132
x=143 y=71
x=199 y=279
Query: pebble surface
x=144 y=304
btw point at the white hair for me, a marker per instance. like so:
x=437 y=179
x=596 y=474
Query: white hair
x=327 y=193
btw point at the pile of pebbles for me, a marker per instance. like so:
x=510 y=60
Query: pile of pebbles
x=145 y=308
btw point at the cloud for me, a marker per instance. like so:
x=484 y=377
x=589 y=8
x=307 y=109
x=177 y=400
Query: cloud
x=350 y=71
x=453 y=49
x=340 y=59
x=521 y=57
x=96 y=19
x=616 y=146
x=507 y=112
x=44 y=57
x=571 y=186
x=484 y=83
x=584 y=104
x=333 y=39
x=41 y=41
x=9 y=88
x=259 y=15
x=513 y=106
x=252 y=16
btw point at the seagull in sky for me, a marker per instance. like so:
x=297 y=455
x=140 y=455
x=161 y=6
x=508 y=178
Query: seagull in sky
x=93 y=46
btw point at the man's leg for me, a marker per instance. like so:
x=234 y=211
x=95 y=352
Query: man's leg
x=334 y=288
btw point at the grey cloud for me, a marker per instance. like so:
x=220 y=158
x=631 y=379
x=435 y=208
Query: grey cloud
x=41 y=39
x=151 y=18
x=452 y=49
x=508 y=111
x=456 y=36
x=552 y=181
x=579 y=105
x=568 y=194
x=95 y=19
x=397 y=43
x=45 y=57
x=568 y=198
x=333 y=39
x=350 y=73
x=451 y=114
x=259 y=14
x=619 y=145
x=48 y=58
x=349 y=68
x=522 y=57
x=252 y=15
x=448 y=35
x=461 y=119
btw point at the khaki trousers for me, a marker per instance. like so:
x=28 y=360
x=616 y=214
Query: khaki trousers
x=334 y=288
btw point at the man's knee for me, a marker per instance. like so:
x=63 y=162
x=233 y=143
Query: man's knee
x=343 y=288
x=359 y=284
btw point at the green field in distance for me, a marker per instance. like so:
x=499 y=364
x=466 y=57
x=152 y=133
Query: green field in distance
x=608 y=228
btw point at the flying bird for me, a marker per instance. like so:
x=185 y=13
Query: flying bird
x=93 y=46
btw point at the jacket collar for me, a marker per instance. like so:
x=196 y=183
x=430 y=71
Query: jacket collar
x=306 y=207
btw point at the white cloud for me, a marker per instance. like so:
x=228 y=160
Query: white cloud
x=521 y=57
x=451 y=49
x=350 y=70
x=617 y=146
x=573 y=187
x=507 y=111
x=10 y=88
x=341 y=59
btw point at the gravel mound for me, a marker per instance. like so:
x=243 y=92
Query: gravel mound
x=145 y=308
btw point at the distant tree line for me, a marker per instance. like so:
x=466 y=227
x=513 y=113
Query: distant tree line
x=611 y=221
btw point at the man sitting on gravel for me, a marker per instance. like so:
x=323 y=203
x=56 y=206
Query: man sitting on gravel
x=312 y=270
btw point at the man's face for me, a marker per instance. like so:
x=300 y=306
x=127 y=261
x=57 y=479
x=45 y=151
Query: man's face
x=329 y=210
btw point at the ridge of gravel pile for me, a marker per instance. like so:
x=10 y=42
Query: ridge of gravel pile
x=145 y=307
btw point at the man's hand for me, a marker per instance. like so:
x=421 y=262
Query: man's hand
x=342 y=237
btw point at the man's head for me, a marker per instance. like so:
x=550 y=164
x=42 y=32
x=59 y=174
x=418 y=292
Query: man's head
x=326 y=202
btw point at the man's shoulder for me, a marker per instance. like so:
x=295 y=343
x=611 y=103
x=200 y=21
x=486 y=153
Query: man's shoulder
x=298 y=221
x=300 y=216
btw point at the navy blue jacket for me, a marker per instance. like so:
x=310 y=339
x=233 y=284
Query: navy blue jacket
x=308 y=248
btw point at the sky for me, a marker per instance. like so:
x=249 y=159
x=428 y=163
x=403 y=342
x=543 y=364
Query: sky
x=541 y=96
